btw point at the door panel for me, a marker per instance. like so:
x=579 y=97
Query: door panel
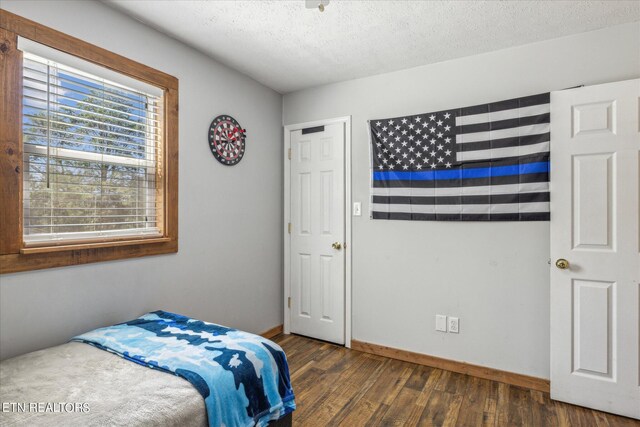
x=326 y=282
x=326 y=202
x=593 y=336
x=317 y=220
x=594 y=118
x=304 y=284
x=593 y=199
x=304 y=201
x=595 y=302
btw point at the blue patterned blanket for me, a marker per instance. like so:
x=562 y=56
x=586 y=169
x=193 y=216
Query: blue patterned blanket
x=243 y=378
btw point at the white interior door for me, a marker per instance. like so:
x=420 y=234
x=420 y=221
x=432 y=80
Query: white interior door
x=594 y=226
x=317 y=233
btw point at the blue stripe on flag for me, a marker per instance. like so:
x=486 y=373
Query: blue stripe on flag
x=527 y=168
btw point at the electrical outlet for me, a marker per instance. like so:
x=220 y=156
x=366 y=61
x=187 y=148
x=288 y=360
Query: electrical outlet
x=441 y=323
x=454 y=325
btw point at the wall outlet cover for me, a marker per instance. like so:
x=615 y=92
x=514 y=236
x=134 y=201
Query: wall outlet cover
x=441 y=323
x=454 y=325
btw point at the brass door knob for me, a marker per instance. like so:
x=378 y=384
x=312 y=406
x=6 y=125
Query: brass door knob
x=562 y=264
x=337 y=246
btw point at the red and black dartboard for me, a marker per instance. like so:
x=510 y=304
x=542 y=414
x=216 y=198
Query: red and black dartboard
x=227 y=140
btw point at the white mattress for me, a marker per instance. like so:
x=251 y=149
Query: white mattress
x=118 y=392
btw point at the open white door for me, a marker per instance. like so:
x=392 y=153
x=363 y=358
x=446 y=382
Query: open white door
x=317 y=232
x=595 y=296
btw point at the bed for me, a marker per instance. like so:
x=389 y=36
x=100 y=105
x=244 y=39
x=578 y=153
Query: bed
x=101 y=378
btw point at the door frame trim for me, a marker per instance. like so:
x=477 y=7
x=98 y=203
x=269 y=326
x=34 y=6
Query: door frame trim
x=347 y=219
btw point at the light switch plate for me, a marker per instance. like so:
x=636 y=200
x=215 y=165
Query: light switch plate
x=357 y=209
x=441 y=323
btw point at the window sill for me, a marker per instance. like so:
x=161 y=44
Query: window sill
x=61 y=256
x=91 y=245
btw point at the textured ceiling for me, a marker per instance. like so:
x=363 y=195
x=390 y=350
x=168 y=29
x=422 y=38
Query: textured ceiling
x=288 y=47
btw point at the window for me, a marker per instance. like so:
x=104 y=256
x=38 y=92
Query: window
x=95 y=149
x=91 y=147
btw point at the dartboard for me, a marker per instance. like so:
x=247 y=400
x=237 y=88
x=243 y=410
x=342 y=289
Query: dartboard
x=226 y=140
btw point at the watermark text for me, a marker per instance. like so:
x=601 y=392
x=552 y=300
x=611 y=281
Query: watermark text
x=46 y=407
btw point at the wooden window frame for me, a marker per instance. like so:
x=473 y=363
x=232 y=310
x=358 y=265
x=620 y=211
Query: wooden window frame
x=14 y=255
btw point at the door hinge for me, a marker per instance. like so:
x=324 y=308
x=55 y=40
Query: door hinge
x=289 y=227
x=289 y=302
x=289 y=153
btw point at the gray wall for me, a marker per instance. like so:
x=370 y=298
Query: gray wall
x=493 y=276
x=229 y=267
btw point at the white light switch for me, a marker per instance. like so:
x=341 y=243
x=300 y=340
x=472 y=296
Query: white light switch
x=441 y=323
x=357 y=209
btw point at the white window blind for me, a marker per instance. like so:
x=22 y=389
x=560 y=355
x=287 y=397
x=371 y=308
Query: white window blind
x=92 y=147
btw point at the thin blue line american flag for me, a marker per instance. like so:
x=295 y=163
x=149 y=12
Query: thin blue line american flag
x=488 y=162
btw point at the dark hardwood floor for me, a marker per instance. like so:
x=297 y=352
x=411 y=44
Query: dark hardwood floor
x=338 y=386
